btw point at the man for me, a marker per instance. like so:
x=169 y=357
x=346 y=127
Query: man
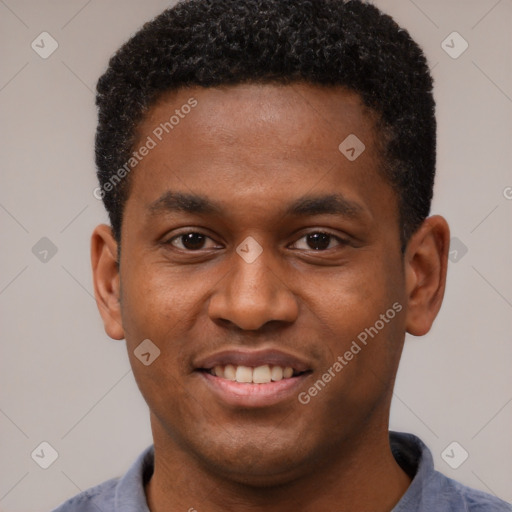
x=268 y=167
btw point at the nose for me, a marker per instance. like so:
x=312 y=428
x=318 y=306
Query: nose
x=253 y=294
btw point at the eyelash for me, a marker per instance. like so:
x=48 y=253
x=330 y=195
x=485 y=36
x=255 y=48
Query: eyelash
x=341 y=241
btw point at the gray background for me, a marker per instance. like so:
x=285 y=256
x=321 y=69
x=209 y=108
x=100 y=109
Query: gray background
x=63 y=381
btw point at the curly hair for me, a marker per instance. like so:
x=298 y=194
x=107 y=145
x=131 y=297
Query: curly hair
x=209 y=43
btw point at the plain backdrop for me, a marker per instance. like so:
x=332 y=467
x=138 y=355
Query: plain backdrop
x=64 y=382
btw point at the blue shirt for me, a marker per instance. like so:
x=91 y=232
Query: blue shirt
x=429 y=491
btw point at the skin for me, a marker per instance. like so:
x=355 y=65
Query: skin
x=254 y=150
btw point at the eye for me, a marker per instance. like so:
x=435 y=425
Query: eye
x=319 y=241
x=191 y=241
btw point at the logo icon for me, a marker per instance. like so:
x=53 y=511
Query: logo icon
x=249 y=249
x=352 y=147
x=44 y=250
x=44 y=455
x=146 y=352
x=454 y=455
x=458 y=250
x=44 y=45
x=454 y=45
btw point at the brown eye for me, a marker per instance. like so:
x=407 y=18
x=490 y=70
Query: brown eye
x=189 y=241
x=319 y=241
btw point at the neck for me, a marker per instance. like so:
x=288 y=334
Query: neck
x=361 y=475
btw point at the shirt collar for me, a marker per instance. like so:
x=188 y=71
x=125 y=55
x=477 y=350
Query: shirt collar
x=415 y=459
x=130 y=495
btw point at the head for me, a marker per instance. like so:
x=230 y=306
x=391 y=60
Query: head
x=328 y=42
x=277 y=216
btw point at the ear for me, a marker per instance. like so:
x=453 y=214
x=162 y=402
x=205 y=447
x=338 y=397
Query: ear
x=105 y=271
x=426 y=263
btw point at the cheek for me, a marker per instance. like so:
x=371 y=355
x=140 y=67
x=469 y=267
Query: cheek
x=155 y=301
x=157 y=308
x=363 y=311
x=354 y=296
x=167 y=306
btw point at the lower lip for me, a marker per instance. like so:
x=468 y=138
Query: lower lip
x=253 y=395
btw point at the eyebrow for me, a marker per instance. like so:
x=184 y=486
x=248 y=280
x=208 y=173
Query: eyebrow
x=183 y=202
x=332 y=204
x=309 y=205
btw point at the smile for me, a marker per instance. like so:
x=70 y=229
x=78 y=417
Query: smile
x=258 y=375
x=250 y=379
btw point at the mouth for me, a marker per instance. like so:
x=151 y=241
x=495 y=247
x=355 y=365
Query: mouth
x=253 y=379
x=263 y=374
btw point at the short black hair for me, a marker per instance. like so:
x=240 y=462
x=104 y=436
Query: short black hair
x=211 y=43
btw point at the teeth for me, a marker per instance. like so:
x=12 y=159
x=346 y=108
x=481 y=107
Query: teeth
x=259 y=375
x=229 y=372
x=287 y=372
x=276 y=373
x=243 y=374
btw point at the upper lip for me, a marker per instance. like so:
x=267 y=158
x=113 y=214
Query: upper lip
x=253 y=358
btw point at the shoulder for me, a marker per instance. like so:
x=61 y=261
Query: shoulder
x=430 y=490
x=100 y=497
x=467 y=498
x=119 y=494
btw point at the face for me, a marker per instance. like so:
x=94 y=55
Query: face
x=265 y=265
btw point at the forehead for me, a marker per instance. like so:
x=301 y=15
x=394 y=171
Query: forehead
x=260 y=141
x=291 y=116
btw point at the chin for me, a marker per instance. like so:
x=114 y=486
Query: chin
x=261 y=463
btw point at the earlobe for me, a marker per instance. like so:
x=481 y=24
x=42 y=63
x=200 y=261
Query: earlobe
x=426 y=263
x=106 y=279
